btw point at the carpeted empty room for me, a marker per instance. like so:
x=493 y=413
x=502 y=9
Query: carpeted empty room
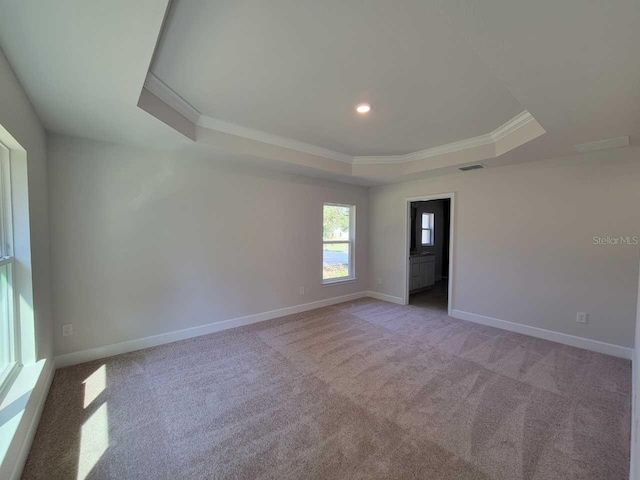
x=365 y=389
x=309 y=240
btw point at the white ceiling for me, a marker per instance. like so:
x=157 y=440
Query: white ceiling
x=574 y=64
x=436 y=71
x=83 y=65
x=297 y=68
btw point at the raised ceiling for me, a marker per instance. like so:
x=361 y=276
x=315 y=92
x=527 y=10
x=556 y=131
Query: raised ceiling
x=297 y=68
x=275 y=83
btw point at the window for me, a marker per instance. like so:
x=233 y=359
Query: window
x=427 y=230
x=8 y=326
x=338 y=238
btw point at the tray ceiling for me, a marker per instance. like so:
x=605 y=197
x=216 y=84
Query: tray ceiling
x=297 y=68
x=275 y=83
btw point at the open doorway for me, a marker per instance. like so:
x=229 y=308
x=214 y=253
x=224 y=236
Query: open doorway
x=429 y=252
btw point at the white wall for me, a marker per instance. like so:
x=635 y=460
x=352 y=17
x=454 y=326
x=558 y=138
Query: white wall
x=523 y=248
x=20 y=120
x=147 y=242
x=23 y=134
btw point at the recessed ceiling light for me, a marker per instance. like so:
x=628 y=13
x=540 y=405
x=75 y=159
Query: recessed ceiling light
x=363 y=108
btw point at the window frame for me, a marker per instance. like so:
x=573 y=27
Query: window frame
x=7 y=259
x=351 y=276
x=430 y=228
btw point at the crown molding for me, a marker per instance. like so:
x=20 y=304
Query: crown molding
x=165 y=94
x=603 y=144
x=427 y=153
x=502 y=131
x=271 y=139
x=512 y=125
x=161 y=90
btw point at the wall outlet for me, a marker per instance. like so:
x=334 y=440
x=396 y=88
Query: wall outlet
x=379 y=281
x=67 y=329
x=301 y=290
x=582 y=317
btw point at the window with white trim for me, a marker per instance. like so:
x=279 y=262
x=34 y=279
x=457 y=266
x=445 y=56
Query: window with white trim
x=9 y=345
x=338 y=242
x=427 y=229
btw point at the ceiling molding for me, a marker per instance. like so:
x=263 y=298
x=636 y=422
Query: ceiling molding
x=427 y=153
x=162 y=102
x=603 y=144
x=499 y=133
x=502 y=131
x=161 y=90
x=512 y=125
x=268 y=138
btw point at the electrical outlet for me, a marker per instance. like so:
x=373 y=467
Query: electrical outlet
x=379 y=281
x=67 y=329
x=301 y=290
x=582 y=317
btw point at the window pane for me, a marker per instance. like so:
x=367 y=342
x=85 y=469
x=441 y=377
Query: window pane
x=335 y=223
x=335 y=260
x=5 y=318
x=427 y=220
x=426 y=237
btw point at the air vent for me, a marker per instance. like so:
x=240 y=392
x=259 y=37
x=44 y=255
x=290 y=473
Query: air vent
x=471 y=167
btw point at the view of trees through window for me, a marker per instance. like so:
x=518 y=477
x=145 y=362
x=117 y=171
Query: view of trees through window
x=337 y=242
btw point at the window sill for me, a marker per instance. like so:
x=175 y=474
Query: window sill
x=25 y=392
x=338 y=281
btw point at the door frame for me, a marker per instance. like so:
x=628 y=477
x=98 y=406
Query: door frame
x=407 y=241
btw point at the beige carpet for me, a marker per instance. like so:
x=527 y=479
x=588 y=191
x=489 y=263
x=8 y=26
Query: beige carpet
x=361 y=390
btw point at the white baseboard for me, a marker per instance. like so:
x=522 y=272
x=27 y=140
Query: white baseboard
x=564 y=338
x=385 y=297
x=163 y=338
x=24 y=435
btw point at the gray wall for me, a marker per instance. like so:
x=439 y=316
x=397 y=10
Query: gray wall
x=523 y=246
x=146 y=242
x=29 y=184
x=20 y=120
